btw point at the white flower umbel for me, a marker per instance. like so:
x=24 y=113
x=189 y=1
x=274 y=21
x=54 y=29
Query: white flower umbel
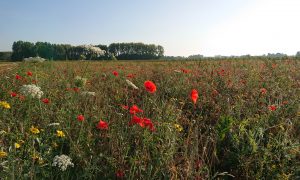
x=62 y=162
x=90 y=49
x=131 y=84
x=31 y=90
x=87 y=93
x=34 y=59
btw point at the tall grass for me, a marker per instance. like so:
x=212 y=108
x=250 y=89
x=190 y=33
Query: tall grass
x=230 y=133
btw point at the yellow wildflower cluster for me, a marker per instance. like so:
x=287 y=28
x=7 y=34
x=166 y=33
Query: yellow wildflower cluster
x=17 y=145
x=178 y=127
x=4 y=104
x=60 y=133
x=34 y=130
x=2 y=154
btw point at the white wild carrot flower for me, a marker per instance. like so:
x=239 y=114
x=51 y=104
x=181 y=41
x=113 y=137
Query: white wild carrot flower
x=62 y=162
x=31 y=90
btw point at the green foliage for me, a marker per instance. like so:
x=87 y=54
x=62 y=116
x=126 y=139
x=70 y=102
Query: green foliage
x=5 y=56
x=22 y=50
x=224 y=126
x=136 y=51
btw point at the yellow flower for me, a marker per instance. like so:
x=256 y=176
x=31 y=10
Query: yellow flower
x=4 y=104
x=60 y=133
x=35 y=157
x=3 y=154
x=178 y=127
x=17 y=145
x=34 y=130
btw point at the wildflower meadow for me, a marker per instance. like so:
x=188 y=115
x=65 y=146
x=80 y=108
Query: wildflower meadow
x=206 y=119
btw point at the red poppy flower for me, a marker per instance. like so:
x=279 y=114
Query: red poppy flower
x=194 y=95
x=76 y=89
x=115 y=73
x=120 y=174
x=137 y=120
x=18 y=77
x=184 y=70
x=134 y=109
x=80 y=117
x=143 y=122
x=148 y=123
x=272 y=107
x=13 y=94
x=45 y=101
x=263 y=91
x=150 y=86
x=102 y=125
x=29 y=73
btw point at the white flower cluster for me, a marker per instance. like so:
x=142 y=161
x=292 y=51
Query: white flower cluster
x=87 y=93
x=92 y=49
x=131 y=84
x=31 y=90
x=34 y=59
x=62 y=162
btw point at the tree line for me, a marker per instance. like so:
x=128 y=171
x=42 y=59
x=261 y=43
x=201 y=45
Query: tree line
x=126 y=51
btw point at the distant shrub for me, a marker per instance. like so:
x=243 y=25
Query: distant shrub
x=5 y=55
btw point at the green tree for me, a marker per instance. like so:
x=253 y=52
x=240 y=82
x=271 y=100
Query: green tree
x=44 y=50
x=136 y=51
x=22 y=50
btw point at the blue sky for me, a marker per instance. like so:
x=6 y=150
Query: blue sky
x=209 y=27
